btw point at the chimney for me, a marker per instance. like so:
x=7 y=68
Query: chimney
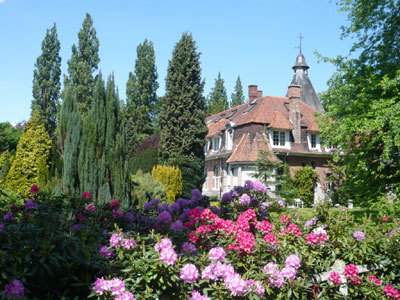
x=294 y=110
x=259 y=94
x=253 y=93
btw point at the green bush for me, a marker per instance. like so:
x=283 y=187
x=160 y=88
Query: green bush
x=8 y=197
x=144 y=161
x=304 y=180
x=146 y=188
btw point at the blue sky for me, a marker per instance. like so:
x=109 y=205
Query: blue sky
x=255 y=39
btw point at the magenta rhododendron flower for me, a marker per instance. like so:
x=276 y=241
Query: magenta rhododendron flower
x=115 y=239
x=246 y=241
x=264 y=226
x=79 y=217
x=384 y=219
x=334 y=277
x=34 y=189
x=106 y=253
x=14 y=290
x=391 y=291
x=91 y=207
x=189 y=273
x=351 y=271
x=270 y=238
x=375 y=280
x=86 y=195
x=217 y=253
x=114 y=204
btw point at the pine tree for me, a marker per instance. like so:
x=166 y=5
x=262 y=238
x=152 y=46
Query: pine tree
x=182 y=118
x=237 y=97
x=218 y=100
x=84 y=61
x=46 y=81
x=33 y=148
x=141 y=95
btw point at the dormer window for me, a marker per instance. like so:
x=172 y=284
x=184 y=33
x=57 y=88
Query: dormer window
x=314 y=142
x=229 y=139
x=279 y=139
x=216 y=143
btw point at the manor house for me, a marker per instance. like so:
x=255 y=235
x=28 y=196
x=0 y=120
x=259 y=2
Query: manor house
x=284 y=125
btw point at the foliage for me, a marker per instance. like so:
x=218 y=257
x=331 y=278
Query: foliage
x=5 y=163
x=149 y=143
x=237 y=97
x=9 y=197
x=9 y=137
x=304 y=180
x=182 y=118
x=46 y=81
x=141 y=87
x=33 y=147
x=362 y=118
x=171 y=178
x=287 y=190
x=145 y=188
x=338 y=193
x=144 y=160
x=218 y=99
x=84 y=61
x=267 y=166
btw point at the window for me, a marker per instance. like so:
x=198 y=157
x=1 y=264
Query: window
x=215 y=143
x=229 y=139
x=313 y=140
x=279 y=138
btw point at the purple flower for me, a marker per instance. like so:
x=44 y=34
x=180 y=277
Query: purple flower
x=163 y=244
x=311 y=222
x=293 y=261
x=105 y=233
x=129 y=243
x=164 y=217
x=189 y=273
x=14 y=290
x=173 y=207
x=31 y=204
x=281 y=203
x=244 y=199
x=266 y=204
x=115 y=239
x=106 y=253
x=289 y=272
x=248 y=185
x=197 y=296
x=188 y=247
x=129 y=217
x=76 y=227
x=177 y=226
x=168 y=256
x=235 y=284
x=217 y=253
x=163 y=207
x=196 y=195
x=1 y=227
x=9 y=217
x=125 y=296
x=148 y=206
x=227 y=197
x=259 y=186
x=359 y=235
x=182 y=202
x=390 y=233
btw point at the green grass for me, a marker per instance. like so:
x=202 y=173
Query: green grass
x=359 y=214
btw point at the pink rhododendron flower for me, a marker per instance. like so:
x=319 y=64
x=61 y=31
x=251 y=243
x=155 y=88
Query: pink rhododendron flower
x=129 y=243
x=316 y=238
x=79 y=217
x=351 y=270
x=384 y=219
x=293 y=261
x=264 y=226
x=91 y=207
x=116 y=286
x=246 y=241
x=255 y=287
x=125 y=296
x=259 y=186
x=106 y=253
x=168 y=256
x=34 y=189
x=244 y=199
x=163 y=244
x=334 y=277
x=235 y=284
x=217 y=253
x=115 y=239
x=189 y=273
x=86 y=195
x=391 y=291
x=209 y=272
x=114 y=204
x=373 y=278
x=207 y=214
x=14 y=290
x=197 y=296
x=293 y=229
x=285 y=219
x=288 y=272
x=359 y=235
x=270 y=238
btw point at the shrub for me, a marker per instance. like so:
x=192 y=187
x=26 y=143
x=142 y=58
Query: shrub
x=146 y=188
x=304 y=180
x=171 y=178
x=144 y=161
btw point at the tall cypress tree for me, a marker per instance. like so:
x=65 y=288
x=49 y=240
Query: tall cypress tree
x=182 y=118
x=84 y=61
x=46 y=81
x=218 y=100
x=237 y=97
x=141 y=95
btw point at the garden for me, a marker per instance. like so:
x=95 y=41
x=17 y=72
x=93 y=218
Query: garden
x=249 y=247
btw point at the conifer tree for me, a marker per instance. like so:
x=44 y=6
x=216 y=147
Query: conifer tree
x=46 y=81
x=218 y=99
x=141 y=95
x=237 y=97
x=84 y=61
x=33 y=148
x=182 y=118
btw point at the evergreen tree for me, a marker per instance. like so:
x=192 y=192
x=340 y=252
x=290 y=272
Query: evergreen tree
x=286 y=188
x=182 y=118
x=46 y=81
x=218 y=99
x=267 y=167
x=33 y=148
x=237 y=97
x=9 y=137
x=84 y=61
x=141 y=95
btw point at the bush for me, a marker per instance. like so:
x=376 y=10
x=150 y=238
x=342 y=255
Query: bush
x=146 y=188
x=144 y=161
x=304 y=180
x=171 y=178
x=8 y=197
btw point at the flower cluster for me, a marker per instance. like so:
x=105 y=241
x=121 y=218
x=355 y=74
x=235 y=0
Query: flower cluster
x=359 y=235
x=246 y=241
x=117 y=238
x=277 y=276
x=86 y=195
x=217 y=253
x=264 y=226
x=106 y=253
x=375 y=280
x=14 y=290
x=34 y=189
x=313 y=221
x=167 y=253
x=316 y=238
x=197 y=296
x=391 y=291
x=259 y=186
x=334 y=277
x=244 y=199
x=189 y=273
x=351 y=271
x=90 y=207
x=31 y=205
x=115 y=286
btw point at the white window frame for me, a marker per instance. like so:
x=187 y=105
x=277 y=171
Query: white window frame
x=229 y=139
x=317 y=141
x=216 y=141
x=217 y=170
x=283 y=139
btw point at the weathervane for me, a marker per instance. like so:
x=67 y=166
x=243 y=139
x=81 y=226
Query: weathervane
x=300 y=38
